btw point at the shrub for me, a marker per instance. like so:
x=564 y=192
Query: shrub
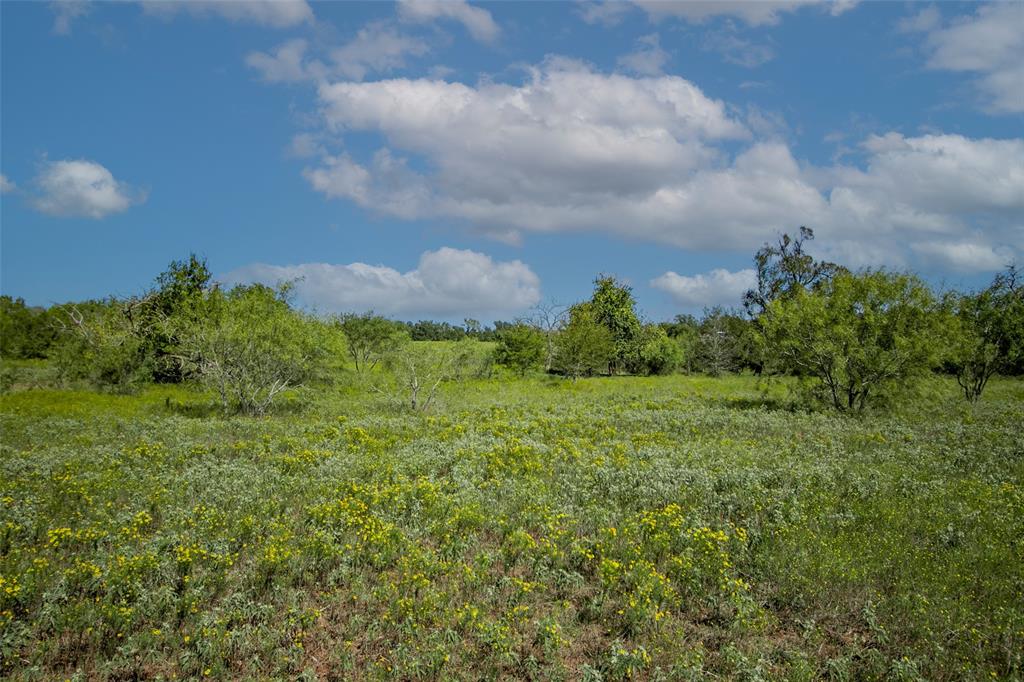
x=520 y=347
x=858 y=337
x=252 y=346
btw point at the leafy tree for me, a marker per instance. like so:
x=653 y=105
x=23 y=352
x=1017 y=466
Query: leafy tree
x=783 y=269
x=857 y=337
x=370 y=338
x=98 y=344
x=657 y=353
x=24 y=332
x=520 y=347
x=428 y=330
x=614 y=307
x=180 y=292
x=251 y=346
x=684 y=330
x=584 y=345
x=991 y=332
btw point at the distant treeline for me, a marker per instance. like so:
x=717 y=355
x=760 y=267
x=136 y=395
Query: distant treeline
x=849 y=338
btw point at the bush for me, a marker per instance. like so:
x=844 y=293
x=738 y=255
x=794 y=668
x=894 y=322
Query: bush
x=252 y=346
x=857 y=338
x=657 y=353
x=98 y=345
x=521 y=348
x=584 y=346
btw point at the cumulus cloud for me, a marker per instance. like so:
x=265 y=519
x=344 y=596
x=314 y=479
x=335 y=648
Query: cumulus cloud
x=287 y=63
x=653 y=158
x=272 y=13
x=609 y=13
x=988 y=43
x=80 y=188
x=965 y=256
x=447 y=283
x=6 y=185
x=377 y=47
x=759 y=13
x=648 y=59
x=718 y=287
x=477 y=21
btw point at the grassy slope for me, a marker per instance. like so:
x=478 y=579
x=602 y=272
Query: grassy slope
x=663 y=528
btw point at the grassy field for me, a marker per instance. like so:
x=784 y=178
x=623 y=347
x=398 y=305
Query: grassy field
x=677 y=528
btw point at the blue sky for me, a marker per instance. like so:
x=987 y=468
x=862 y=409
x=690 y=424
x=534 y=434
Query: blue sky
x=450 y=160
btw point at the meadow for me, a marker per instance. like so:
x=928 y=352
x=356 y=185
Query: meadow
x=662 y=528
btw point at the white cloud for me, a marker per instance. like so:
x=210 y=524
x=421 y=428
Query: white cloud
x=608 y=13
x=272 y=13
x=286 y=64
x=65 y=12
x=447 y=282
x=376 y=47
x=6 y=185
x=988 y=43
x=648 y=59
x=751 y=12
x=718 y=287
x=964 y=256
x=80 y=188
x=478 y=21
x=654 y=159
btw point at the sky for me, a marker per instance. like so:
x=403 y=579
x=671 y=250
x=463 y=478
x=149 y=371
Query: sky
x=449 y=160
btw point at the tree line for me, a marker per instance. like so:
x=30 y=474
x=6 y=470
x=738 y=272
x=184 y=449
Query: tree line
x=850 y=339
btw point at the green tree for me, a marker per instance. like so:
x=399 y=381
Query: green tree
x=520 y=347
x=98 y=344
x=614 y=308
x=990 y=335
x=785 y=268
x=857 y=337
x=24 y=332
x=180 y=291
x=250 y=346
x=370 y=338
x=658 y=354
x=584 y=346
x=684 y=330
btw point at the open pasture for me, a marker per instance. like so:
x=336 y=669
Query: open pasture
x=619 y=528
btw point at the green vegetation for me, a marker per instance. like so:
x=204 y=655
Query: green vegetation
x=615 y=528
x=208 y=483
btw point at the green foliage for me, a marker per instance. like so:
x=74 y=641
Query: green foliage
x=99 y=345
x=614 y=307
x=991 y=333
x=643 y=528
x=179 y=296
x=657 y=353
x=419 y=368
x=784 y=269
x=520 y=347
x=24 y=332
x=370 y=338
x=859 y=337
x=584 y=346
x=250 y=346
